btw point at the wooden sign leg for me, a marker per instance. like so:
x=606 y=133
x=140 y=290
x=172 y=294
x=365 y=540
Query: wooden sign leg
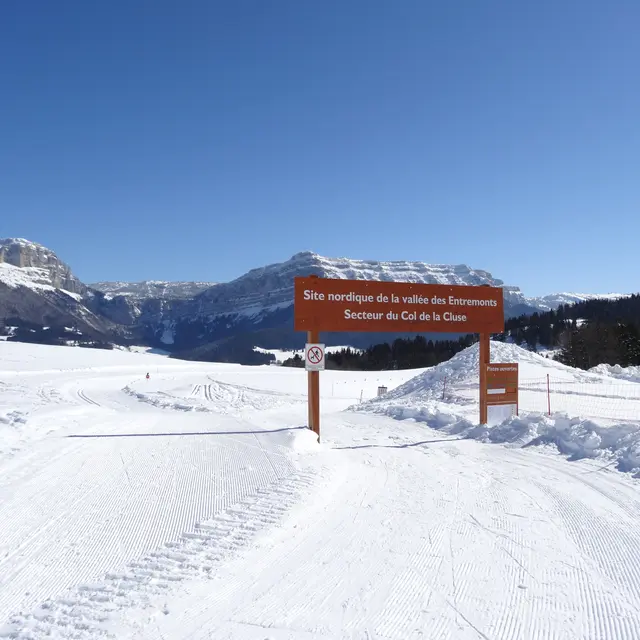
x=313 y=381
x=485 y=359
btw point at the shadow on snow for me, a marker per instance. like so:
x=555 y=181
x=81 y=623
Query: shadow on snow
x=182 y=433
x=406 y=445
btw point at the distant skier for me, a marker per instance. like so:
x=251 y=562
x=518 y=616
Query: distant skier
x=147 y=376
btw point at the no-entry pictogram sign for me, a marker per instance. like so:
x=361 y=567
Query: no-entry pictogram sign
x=314 y=357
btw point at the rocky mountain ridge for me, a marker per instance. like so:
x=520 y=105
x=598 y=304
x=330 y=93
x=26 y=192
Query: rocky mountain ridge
x=22 y=253
x=206 y=320
x=145 y=289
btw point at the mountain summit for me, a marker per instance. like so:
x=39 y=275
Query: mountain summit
x=24 y=254
x=38 y=290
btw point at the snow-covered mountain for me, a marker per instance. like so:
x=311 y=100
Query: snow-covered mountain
x=31 y=277
x=139 y=291
x=28 y=299
x=261 y=301
x=554 y=300
x=38 y=289
x=254 y=309
x=39 y=264
x=270 y=288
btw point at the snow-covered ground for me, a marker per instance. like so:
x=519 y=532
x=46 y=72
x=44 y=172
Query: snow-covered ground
x=196 y=505
x=591 y=415
x=616 y=371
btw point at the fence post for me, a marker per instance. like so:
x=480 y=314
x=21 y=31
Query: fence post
x=548 y=395
x=444 y=387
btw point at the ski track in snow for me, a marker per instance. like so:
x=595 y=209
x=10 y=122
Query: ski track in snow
x=482 y=550
x=80 y=613
x=82 y=507
x=114 y=504
x=85 y=398
x=191 y=506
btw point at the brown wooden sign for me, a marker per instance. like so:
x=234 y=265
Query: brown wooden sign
x=323 y=304
x=502 y=383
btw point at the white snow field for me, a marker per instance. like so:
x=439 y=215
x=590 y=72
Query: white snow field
x=195 y=505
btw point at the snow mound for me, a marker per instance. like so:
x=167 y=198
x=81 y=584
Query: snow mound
x=577 y=438
x=632 y=374
x=445 y=398
x=462 y=370
x=302 y=440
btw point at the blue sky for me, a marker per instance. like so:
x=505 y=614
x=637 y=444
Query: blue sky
x=193 y=139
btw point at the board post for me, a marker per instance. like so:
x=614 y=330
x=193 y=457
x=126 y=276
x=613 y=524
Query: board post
x=485 y=359
x=330 y=305
x=313 y=382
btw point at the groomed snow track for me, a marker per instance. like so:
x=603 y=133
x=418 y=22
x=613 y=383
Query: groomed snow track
x=194 y=505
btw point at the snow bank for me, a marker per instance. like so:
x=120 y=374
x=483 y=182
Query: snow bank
x=462 y=371
x=445 y=398
x=632 y=374
x=302 y=440
x=577 y=438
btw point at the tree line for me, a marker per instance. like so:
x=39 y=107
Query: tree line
x=402 y=353
x=55 y=336
x=585 y=334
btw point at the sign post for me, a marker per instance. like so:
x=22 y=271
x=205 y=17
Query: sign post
x=485 y=359
x=314 y=357
x=328 y=304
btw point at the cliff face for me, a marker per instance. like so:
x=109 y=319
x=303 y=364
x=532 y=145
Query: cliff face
x=140 y=291
x=261 y=301
x=38 y=289
x=198 y=319
x=24 y=254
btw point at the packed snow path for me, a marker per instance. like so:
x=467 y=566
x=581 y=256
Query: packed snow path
x=193 y=506
x=416 y=536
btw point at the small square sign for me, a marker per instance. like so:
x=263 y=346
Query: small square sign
x=314 y=357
